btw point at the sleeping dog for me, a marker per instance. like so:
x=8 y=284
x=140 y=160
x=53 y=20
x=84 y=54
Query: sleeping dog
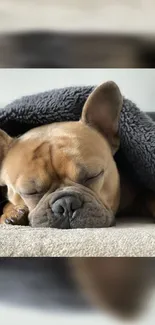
x=64 y=175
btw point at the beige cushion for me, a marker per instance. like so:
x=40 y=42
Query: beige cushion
x=126 y=239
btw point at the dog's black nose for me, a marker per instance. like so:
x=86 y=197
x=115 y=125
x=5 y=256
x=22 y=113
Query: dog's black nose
x=65 y=206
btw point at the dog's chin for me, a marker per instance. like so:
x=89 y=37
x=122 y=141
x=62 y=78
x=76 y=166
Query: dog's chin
x=91 y=214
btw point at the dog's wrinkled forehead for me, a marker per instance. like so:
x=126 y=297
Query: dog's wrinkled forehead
x=62 y=149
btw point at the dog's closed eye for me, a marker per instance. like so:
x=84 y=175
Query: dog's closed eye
x=30 y=194
x=91 y=178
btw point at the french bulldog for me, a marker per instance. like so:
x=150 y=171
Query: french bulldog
x=64 y=175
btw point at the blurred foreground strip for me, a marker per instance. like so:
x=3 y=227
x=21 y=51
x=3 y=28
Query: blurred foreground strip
x=84 y=34
x=112 y=16
x=122 y=287
x=69 y=50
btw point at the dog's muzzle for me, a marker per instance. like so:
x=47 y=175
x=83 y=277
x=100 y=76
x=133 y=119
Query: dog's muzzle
x=71 y=207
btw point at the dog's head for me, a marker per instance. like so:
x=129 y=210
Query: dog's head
x=65 y=172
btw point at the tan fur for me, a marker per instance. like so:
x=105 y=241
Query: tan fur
x=58 y=162
x=117 y=285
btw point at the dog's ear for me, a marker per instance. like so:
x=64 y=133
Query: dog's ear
x=102 y=111
x=5 y=141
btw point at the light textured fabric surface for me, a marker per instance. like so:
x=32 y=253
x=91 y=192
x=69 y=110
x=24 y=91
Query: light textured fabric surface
x=126 y=239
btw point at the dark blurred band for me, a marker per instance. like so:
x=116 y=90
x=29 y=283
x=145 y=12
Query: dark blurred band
x=118 y=284
x=76 y=50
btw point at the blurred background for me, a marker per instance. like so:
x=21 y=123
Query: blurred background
x=77 y=33
x=136 y=84
x=54 y=290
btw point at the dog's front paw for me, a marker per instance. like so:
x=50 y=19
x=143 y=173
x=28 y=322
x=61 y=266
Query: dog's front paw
x=17 y=215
